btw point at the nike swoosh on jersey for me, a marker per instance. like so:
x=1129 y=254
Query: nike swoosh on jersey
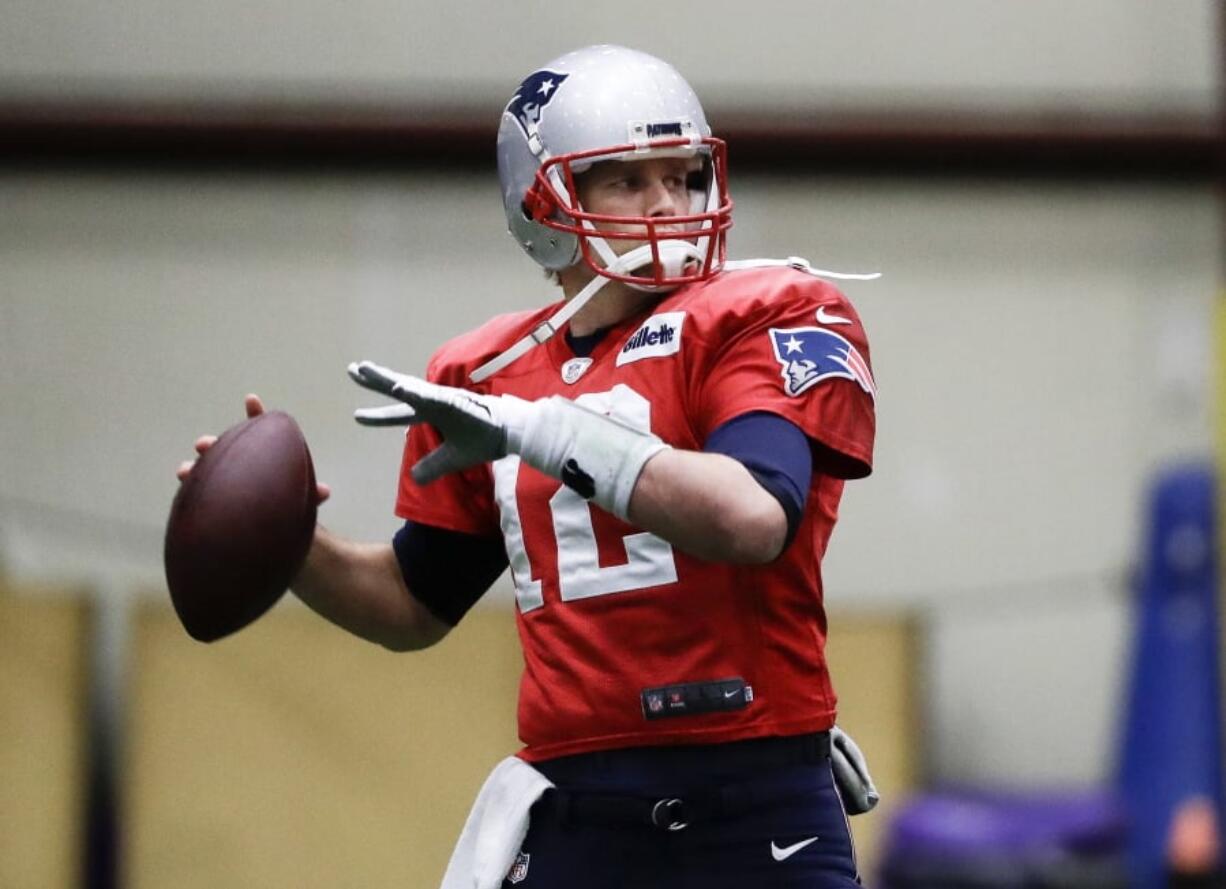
x=788 y=851
x=824 y=317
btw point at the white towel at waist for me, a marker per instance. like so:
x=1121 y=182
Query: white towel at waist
x=496 y=826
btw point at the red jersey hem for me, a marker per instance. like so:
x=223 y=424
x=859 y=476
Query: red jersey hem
x=820 y=723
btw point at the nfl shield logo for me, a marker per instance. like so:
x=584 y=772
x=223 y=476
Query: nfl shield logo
x=574 y=369
x=519 y=870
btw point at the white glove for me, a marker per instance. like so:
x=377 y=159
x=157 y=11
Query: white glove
x=851 y=774
x=474 y=427
x=598 y=457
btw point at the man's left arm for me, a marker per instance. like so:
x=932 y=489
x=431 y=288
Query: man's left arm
x=709 y=506
x=706 y=504
x=777 y=456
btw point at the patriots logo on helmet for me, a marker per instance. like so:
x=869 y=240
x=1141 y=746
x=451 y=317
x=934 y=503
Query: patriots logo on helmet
x=529 y=101
x=809 y=355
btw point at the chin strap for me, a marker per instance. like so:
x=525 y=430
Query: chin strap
x=541 y=333
x=673 y=256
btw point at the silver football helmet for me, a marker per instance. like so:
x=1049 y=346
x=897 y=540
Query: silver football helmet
x=610 y=103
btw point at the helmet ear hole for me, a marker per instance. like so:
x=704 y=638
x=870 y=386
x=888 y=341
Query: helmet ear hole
x=538 y=204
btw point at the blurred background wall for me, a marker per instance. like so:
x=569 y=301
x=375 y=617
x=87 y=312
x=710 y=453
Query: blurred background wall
x=197 y=201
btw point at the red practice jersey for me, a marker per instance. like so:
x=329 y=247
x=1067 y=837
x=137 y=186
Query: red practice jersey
x=615 y=623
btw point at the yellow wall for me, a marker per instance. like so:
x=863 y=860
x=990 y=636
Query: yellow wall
x=875 y=663
x=292 y=755
x=43 y=700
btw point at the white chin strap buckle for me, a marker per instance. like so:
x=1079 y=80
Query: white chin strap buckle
x=674 y=255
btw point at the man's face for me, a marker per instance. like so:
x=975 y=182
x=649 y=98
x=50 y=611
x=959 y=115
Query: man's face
x=652 y=188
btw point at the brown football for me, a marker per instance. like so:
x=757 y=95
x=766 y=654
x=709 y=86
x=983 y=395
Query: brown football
x=240 y=526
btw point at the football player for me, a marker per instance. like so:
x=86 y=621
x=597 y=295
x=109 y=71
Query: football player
x=659 y=458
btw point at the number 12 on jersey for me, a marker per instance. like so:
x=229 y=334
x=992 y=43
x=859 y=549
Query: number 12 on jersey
x=650 y=559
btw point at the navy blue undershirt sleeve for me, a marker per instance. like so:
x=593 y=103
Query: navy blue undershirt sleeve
x=776 y=452
x=447 y=571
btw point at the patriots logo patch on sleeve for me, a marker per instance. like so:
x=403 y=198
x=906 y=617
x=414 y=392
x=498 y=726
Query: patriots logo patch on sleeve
x=529 y=101
x=809 y=355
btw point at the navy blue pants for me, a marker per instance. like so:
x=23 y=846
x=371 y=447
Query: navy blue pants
x=760 y=814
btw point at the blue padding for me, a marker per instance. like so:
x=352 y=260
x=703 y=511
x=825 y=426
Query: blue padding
x=1172 y=741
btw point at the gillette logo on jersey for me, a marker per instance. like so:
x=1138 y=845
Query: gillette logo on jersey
x=658 y=335
x=809 y=355
x=533 y=95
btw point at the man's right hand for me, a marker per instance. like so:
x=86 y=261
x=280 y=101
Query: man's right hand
x=254 y=407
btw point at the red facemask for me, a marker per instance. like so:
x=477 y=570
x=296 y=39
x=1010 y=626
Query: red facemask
x=673 y=257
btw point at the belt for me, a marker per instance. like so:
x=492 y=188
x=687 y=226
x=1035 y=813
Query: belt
x=674 y=813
